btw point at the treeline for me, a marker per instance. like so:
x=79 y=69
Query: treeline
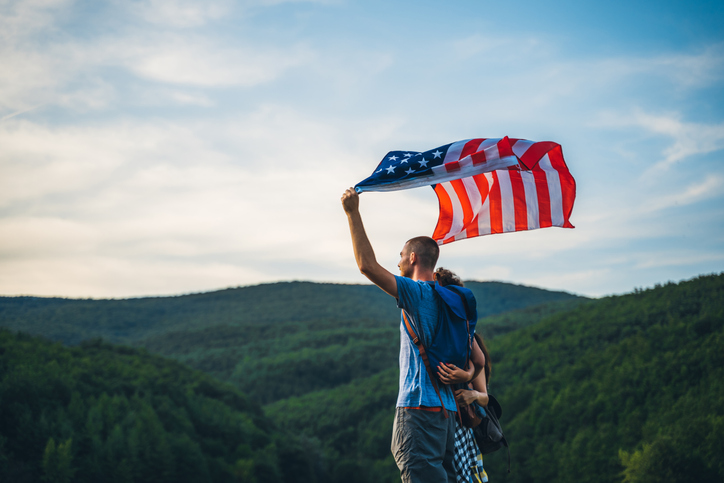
x=114 y=414
x=302 y=357
x=302 y=336
x=133 y=321
x=627 y=388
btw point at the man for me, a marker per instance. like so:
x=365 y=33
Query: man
x=422 y=438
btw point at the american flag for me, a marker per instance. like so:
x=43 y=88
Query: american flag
x=535 y=191
x=401 y=170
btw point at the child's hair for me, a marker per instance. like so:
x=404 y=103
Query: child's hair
x=443 y=276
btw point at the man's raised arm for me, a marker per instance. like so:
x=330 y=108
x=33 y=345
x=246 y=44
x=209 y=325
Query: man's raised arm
x=363 y=252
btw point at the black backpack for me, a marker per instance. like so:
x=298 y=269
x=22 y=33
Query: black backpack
x=489 y=434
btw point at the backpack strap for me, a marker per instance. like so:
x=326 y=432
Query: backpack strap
x=468 y=317
x=416 y=340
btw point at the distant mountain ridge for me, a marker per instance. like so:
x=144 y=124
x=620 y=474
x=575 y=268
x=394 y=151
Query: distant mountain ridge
x=305 y=336
x=129 y=321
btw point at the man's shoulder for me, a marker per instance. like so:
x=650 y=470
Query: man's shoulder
x=413 y=293
x=422 y=286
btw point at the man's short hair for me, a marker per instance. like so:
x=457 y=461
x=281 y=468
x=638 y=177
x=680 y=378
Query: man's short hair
x=426 y=249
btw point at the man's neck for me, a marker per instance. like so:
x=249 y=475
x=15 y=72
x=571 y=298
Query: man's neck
x=423 y=275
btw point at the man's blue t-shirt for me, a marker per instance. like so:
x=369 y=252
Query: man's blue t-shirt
x=420 y=302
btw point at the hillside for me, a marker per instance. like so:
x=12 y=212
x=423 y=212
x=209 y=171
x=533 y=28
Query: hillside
x=304 y=336
x=131 y=321
x=99 y=413
x=627 y=388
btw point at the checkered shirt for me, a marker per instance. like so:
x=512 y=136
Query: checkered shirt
x=466 y=452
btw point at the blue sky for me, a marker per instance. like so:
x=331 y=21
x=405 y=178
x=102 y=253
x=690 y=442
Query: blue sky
x=155 y=147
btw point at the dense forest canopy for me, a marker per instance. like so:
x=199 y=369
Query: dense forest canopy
x=103 y=413
x=625 y=388
x=303 y=336
x=131 y=321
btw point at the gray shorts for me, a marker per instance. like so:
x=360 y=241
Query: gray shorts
x=423 y=444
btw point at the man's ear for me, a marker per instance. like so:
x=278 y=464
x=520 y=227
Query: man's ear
x=413 y=258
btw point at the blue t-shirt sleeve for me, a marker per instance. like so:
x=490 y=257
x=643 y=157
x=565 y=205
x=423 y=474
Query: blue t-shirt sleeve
x=408 y=293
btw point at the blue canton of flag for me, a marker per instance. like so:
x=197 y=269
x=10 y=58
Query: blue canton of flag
x=400 y=169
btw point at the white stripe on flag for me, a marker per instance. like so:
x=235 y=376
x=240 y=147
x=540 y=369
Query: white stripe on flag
x=473 y=193
x=507 y=202
x=554 y=190
x=474 y=197
x=522 y=146
x=492 y=152
x=453 y=152
x=484 y=227
x=457 y=221
x=531 y=199
x=488 y=142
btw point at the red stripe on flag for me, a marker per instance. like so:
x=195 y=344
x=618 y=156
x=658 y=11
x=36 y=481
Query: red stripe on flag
x=496 y=207
x=452 y=166
x=504 y=147
x=471 y=147
x=481 y=186
x=568 y=184
x=463 y=199
x=444 y=222
x=478 y=158
x=535 y=152
x=521 y=210
x=544 y=198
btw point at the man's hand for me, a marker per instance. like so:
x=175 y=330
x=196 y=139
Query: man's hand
x=350 y=201
x=363 y=253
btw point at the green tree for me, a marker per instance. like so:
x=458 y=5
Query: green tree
x=57 y=462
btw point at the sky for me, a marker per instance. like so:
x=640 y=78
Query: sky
x=158 y=147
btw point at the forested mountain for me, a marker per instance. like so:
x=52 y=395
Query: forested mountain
x=131 y=321
x=627 y=388
x=99 y=413
x=303 y=336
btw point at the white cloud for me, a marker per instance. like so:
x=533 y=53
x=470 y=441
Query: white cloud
x=27 y=79
x=709 y=187
x=193 y=13
x=181 y=97
x=678 y=258
x=62 y=69
x=196 y=62
x=21 y=18
x=112 y=277
x=689 y=138
x=695 y=70
x=179 y=13
x=26 y=236
x=117 y=195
